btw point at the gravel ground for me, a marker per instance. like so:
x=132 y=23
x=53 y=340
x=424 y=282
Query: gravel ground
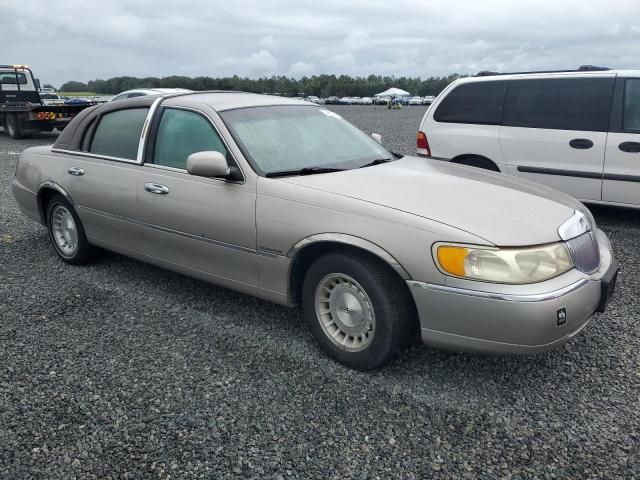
x=123 y=370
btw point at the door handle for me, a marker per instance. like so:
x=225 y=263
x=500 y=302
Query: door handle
x=631 y=147
x=76 y=171
x=581 y=143
x=156 y=188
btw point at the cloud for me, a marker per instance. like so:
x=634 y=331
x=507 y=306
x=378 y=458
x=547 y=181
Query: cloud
x=87 y=39
x=300 y=69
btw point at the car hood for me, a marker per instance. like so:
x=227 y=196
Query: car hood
x=503 y=210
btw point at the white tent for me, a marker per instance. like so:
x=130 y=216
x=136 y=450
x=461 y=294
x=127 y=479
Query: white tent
x=393 y=92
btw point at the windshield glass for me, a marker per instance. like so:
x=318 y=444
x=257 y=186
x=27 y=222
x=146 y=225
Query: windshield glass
x=284 y=138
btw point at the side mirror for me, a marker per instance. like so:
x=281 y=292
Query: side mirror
x=377 y=137
x=210 y=164
x=37 y=83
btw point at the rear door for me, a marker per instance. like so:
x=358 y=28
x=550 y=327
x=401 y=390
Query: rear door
x=554 y=131
x=621 y=182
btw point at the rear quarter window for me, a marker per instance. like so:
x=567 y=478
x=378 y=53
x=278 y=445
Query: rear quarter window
x=476 y=102
x=561 y=103
x=118 y=133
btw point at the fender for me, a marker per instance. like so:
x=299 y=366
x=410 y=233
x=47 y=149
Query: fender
x=354 y=242
x=48 y=184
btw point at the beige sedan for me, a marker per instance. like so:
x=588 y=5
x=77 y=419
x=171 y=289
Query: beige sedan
x=287 y=201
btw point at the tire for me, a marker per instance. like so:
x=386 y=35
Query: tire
x=479 y=162
x=366 y=318
x=12 y=126
x=67 y=233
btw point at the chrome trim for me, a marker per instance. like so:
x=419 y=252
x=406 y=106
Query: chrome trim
x=353 y=241
x=507 y=297
x=181 y=234
x=56 y=187
x=93 y=155
x=145 y=129
x=574 y=226
x=163 y=167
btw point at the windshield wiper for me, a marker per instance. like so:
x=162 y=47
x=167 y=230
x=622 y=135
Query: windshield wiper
x=303 y=171
x=377 y=161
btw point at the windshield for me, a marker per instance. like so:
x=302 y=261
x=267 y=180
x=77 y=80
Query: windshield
x=286 y=138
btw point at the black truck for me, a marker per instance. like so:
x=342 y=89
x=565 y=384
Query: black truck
x=22 y=111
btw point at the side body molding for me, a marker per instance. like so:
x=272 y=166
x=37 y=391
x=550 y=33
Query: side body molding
x=353 y=241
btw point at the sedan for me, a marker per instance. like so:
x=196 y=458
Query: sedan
x=287 y=201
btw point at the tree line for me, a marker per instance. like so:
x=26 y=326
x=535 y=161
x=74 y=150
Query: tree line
x=319 y=85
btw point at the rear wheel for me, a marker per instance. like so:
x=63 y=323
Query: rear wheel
x=67 y=233
x=12 y=126
x=479 y=162
x=357 y=309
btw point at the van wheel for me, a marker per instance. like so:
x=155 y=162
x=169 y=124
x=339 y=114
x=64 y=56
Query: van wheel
x=479 y=162
x=67 y=233
x=357 y=310
x=12 y=126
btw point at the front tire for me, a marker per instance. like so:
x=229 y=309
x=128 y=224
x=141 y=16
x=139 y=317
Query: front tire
x=357 y=309
x=12 y=126
x=67 y=233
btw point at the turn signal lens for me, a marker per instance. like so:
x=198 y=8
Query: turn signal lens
x=504 y=265
x=451 y=259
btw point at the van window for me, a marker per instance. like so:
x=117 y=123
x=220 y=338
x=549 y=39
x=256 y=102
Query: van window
x=559 y=103
x=477 y=102
x=118 y=133
x=631 y=118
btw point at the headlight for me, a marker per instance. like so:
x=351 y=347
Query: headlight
x=503 y=265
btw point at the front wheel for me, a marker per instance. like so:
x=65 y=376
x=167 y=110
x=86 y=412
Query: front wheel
x=357 y=309
x=12 y=126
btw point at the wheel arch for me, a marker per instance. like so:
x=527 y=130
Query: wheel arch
x=46 y=190
x=307 y=250
x=490 y=164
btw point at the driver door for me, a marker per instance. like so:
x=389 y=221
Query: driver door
x=203 y=226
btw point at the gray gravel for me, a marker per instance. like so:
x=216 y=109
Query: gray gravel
x=123 y=370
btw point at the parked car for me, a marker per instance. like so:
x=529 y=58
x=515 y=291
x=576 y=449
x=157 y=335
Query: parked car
x=366 y=100
x=428 y=100
x=51 y=98
x=332 y=100
x=577 y=131
x=415 y=101
x=381 y=100
x=141 y=92
x=345 y=101
x=287 y=201
x=314 y=99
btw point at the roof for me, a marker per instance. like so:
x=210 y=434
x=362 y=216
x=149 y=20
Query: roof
x=221 y=101
x=488 y=76
x=392 y=92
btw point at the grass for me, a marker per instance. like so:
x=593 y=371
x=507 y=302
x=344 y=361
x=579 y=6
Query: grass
x=80 y=94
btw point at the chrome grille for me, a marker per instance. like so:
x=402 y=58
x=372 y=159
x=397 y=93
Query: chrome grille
x=584 y=252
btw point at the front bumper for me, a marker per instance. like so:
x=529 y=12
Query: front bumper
x=513 y=319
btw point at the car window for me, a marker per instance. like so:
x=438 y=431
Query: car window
x=118 y=133
x=9 y=78
x=122 y=96
x=561 y=104
x=181 y=133
x=136 y=94
x=631 y=118
x=478 y=102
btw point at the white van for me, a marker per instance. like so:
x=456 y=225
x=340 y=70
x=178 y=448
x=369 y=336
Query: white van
x=577 y=131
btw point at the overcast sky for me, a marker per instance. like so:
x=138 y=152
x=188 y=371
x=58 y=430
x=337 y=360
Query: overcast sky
x=83 y=40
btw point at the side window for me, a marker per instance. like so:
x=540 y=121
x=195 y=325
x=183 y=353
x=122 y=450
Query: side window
x=477 y=102
x=136 y=94
x=560 y=104
x=181 y=133
x=631 y=115
x=9 y=78
x=118 y=133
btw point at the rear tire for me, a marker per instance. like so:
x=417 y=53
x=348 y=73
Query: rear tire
x=67 y=233
x=12 y=126
x=357 y=309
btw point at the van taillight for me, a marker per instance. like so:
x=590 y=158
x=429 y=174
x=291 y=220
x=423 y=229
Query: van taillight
x=422 y=145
